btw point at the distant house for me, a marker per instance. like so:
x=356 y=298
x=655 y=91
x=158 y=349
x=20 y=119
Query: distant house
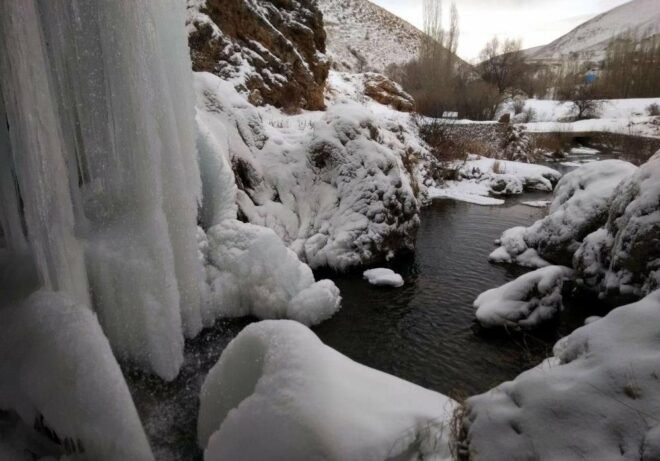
x=591 y=77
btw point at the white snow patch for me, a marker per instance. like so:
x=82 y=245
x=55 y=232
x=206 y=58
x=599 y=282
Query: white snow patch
x=523 y=303
x=584 y=151
x=383 y=277
x=537 y=203
x=279 y=393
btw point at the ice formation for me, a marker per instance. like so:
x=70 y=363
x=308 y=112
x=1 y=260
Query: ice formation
x=383 y=277
x=278 y=393
x=59 y=377
x=249 y=271
x=526 y=302
x=102 y=155
x=623 y=257
x=341 y=187
x=597 y=398
x=580 y=206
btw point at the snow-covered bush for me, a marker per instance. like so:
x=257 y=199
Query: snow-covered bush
x=278 y=393
x=598 y=398
x=249 y=271
x=505 y=174
x=580 y=206
x=623 y=257
x=58 y=374
x=526 y=302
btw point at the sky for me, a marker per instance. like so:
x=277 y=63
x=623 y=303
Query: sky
x=536 y=22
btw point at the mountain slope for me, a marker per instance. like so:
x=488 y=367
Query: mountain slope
x=363 y=36
x=589 y=40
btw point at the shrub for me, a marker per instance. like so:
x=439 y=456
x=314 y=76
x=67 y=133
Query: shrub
x=653 y=110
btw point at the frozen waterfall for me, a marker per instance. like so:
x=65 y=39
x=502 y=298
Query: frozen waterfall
x=99 y=181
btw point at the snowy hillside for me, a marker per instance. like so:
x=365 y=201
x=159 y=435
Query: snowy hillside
x=354 y=27
x=589 y=40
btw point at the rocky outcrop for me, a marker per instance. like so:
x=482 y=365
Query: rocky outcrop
x=274 y=50
x=383 y=90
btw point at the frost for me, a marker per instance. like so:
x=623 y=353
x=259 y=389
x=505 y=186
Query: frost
x=277 y=392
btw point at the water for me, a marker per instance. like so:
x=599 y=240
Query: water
x=425 y=331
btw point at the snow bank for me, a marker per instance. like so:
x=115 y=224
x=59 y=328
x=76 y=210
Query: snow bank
x=341 y=187
x=480 y=177
x=525 y=302
x=58 y=374
x=249 y=271
x=623 y=257
x=581 y=202
x=383 y=277
x=597 y=398
x=278 y=393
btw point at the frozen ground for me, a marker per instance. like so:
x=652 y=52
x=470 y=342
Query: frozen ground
x=279 y=393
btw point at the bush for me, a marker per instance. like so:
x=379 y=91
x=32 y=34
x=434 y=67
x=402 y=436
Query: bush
x=518 y=105
x=653 y=110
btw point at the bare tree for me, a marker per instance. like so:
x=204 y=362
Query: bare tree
x=503 y=63
x=584 y=98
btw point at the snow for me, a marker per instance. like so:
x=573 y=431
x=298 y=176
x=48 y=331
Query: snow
x=597 y=398
x=59 y=376
x=580 y=205
x=481 y=177
x=341 y=187
x=584 y=151
x=249 y=271
x=102 y=146
x=537 y=203
x=278 y=393
x=525 y=302
x=383 y=277
x=623 y=256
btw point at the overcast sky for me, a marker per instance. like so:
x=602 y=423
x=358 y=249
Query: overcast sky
x=536 y=22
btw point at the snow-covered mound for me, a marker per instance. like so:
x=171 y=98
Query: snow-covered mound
x=623 y=257
x=278 y=393
x=598 y=398
x=479 y=177
x=341 y=187
x=383 y=277
x=58 y=374
x=580 y=206
x=588 y=41
x=249 y=271
x=365 y=37
x=525 y=302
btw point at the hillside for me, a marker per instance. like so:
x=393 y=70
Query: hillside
x=588 y=42
x=363 y=36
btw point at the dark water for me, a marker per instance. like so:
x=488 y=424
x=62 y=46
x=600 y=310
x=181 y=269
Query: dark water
x=424 y=331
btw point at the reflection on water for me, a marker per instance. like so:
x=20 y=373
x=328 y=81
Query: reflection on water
x=423 y=332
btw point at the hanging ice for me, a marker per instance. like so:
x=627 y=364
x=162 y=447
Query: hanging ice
x=101 y=160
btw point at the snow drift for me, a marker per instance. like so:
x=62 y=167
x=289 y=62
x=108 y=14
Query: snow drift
x=597 y=398
x=58 y=374
x=278 y=393
x=525 y=302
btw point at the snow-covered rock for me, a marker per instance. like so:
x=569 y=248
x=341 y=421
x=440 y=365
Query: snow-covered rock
x=59 y=376
x=597 y=398
x=623 y=257
x=341 y=187
x=278 y=393
x=526 y=302
x=383 y=277
x=580 y=206
x=249 y=271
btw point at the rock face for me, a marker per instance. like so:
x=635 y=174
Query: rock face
x=385 y=91
x=273 y=50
